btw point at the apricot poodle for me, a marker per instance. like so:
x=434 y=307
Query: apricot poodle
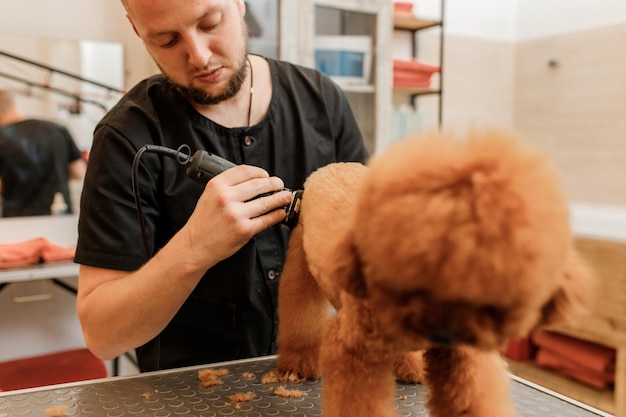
x=433 y=257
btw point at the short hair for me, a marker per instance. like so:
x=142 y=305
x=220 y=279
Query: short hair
x=6 y=101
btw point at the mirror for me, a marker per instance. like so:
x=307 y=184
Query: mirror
x=262 y=20
x=85 y=80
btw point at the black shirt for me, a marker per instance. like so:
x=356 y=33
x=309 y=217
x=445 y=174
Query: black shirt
x=231 y=313
x=34 y=161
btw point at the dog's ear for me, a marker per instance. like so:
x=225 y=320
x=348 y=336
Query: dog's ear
x=347 y=267
x=573 y=297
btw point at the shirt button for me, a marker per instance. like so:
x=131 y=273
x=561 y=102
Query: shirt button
x=248 y=140
x=271 y=274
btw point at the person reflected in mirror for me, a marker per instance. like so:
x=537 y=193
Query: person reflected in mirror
x=204 y=288
x=37 y=160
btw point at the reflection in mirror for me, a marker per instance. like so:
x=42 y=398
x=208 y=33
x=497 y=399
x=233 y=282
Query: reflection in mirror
x=262 y=20
x=72 y=83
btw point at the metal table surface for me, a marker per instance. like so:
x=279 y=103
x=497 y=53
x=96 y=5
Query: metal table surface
x=179 y=393
x=61 y=269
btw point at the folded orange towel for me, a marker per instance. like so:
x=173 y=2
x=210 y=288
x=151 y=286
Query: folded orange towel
x=585 y=354
x=51 y=252
x=33 y=251
x=405 y=7
x=519 y=349
x=413 y=66
x=411 y=80
x=412 y=73
x=553 y=360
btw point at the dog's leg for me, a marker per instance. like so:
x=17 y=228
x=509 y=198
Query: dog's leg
x=302 y=311
x=467 y=382
x=357 y=373
x=409 y=367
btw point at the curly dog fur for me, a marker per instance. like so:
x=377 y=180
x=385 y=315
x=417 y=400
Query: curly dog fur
x=433 y=256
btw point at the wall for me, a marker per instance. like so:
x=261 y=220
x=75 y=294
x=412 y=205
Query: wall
x=540 y=18
x=570 y=99
x=497 y=72
x=96 y=20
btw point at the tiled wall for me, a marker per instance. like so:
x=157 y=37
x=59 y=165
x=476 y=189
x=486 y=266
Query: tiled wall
x=575 y=108
x=564 y=93
x=478 y=82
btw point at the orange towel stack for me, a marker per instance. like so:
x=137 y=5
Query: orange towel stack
x=519 y=349
x=33 y=251
x=584 y=361
x=412 y=73
x=403 y=7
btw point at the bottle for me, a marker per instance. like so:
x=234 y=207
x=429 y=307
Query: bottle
x=58 y=206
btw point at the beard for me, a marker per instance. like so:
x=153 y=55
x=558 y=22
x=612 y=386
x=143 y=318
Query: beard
x=199 y=96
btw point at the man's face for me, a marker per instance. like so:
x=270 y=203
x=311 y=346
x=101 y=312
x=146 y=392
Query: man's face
x=200 y=45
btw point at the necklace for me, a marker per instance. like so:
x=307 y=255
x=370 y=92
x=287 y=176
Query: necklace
x=251 y=91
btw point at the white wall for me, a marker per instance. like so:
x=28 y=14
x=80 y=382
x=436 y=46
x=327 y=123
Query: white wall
x=64 y=19
x=540 y=18
x=515 y=20
x=95 y=20
x=491 y=19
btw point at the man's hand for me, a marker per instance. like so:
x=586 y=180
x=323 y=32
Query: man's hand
x=230 y=212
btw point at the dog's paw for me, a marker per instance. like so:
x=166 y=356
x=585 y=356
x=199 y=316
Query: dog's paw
x=409 y=368
x=299 y=367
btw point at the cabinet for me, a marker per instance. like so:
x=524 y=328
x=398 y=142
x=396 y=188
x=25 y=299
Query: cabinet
x=304 y=21
x=428 y=48
x=605 y=325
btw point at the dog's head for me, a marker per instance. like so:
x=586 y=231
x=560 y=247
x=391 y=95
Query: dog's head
x=463 y=241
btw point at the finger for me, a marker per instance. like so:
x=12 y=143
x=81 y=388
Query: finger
x=267 y=204
x=241 y=174
x=266 y=220
x=248 y=182
x=257 y=187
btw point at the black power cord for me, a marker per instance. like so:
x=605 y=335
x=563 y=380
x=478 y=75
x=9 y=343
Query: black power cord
x=183 y=159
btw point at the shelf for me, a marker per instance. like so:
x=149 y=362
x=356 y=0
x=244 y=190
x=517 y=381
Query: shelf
x=597 y=398
x=416 y=90
x=411 y=22
x=358 y=88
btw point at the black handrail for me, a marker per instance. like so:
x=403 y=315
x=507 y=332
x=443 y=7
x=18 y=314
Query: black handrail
x=75 y=96
x=65 y=73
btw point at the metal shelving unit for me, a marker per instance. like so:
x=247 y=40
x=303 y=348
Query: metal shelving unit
x=414 y=25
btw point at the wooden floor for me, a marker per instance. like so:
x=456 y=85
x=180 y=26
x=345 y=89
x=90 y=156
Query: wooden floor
x=600 y=399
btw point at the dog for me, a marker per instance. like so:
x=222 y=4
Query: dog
x=432 y=255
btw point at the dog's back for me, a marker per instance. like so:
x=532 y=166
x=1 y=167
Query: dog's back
x=328 y=211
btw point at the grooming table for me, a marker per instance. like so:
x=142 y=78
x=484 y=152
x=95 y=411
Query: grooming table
x=178 y=392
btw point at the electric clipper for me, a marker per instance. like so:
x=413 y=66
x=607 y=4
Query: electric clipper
x=205 y=165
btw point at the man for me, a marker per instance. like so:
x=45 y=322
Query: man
x=37 y=160
x=204 y=288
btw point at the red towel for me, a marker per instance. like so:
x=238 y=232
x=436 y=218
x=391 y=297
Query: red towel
x=414 y=66
x=585 y=354
x=412 y=73
x=51 y=252
x=403 y=7
x=33 y=251
x=411 y=80
x=519 y=349
x=552 y=360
